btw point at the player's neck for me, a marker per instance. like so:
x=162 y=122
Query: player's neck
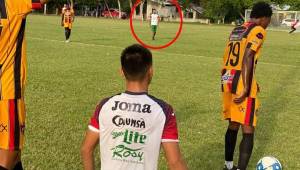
x=136 y=86
x=253 y=20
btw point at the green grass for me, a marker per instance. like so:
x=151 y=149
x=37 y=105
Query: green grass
x=66 y=81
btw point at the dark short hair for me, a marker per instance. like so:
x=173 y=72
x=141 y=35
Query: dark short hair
x=136 y=61
x=261 y=9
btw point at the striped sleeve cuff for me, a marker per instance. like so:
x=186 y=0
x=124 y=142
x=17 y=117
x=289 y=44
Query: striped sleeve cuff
x=92 y=128
x=169 y=140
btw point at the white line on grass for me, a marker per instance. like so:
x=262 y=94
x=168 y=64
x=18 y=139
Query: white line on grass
x=79 y=43
x=167 y=53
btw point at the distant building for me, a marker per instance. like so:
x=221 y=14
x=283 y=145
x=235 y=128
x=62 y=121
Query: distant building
x=165 y=8
x=168 y=11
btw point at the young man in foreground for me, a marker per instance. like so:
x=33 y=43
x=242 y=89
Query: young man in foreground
x=12 y=79
x=154 y=20
x=239 y=84
x=133 y=125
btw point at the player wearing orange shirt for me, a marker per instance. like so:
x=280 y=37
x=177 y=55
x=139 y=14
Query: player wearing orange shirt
x=67 y=21
x=239 y=84
x=12 y=79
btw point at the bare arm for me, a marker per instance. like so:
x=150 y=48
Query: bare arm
x=173 y=156
x=73 y=17
x=73 y=14
x=62 y=19
x=247 y=70
x=87 y=149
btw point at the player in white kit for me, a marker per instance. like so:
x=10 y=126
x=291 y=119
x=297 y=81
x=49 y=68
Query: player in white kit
x=154 y=20
x=133 y=125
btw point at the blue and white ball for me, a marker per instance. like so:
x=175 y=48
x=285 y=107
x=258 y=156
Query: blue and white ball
x=268 y=163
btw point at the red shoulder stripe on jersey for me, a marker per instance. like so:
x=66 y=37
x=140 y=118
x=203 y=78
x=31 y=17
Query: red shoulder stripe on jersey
x=94 y=122
x=95 y=119
x=170 y=130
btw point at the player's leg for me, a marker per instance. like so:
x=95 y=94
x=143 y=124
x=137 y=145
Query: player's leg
x=66 y=33
x=230 y=143
x=70 y=30
x=10 y=160
x=293 y=30
x=69 y=34
x=251 y=105
x=153 y=34
x=19 y=165
x=246 y=146
x=153 y=27
x=12 y=118
x=232 y=130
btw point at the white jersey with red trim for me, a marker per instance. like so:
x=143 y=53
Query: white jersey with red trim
x=131 y=128
x=154 y=19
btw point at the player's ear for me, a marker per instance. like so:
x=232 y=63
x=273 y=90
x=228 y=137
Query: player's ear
x=121 y=72
x=151 y=71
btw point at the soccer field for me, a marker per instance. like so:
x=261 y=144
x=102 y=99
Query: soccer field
x=66 y=81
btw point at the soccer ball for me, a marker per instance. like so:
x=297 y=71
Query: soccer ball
x=268 y=163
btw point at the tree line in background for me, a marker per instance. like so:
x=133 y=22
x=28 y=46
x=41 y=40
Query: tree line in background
x=226 y=10
x=231 y=10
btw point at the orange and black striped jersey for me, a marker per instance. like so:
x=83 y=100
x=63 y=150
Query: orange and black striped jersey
x=251 y=36
x=12 y=47
x=68 y=17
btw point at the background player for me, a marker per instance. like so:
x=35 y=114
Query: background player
x=294 y=26
x=67 y=21
x=154 y=21
x=239 y=85
x=132 y=125
x=12 y=79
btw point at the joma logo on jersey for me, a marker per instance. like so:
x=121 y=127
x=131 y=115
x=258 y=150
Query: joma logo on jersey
x=132 y=107
x=120 y=122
